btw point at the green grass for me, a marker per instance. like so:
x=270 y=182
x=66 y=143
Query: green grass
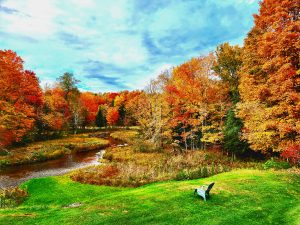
x=239 y=197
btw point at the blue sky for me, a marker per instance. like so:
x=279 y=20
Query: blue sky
x=120 y=44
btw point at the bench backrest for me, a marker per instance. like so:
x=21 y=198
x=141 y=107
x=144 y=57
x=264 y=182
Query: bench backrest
x=209 y=188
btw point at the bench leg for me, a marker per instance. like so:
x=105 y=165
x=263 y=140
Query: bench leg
x=203 y=196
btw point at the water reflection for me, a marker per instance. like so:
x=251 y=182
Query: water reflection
x=13 y=176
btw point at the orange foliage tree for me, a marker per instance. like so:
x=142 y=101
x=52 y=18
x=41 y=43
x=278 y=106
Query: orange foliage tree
x=20 y=98
x=112 y=116
x=56 y=112
x=270 y=78
x=198 y=101
x=132 y=107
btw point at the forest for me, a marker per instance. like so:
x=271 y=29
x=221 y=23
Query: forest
x=236 y=108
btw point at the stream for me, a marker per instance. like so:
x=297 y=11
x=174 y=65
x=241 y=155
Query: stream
x=14 y=175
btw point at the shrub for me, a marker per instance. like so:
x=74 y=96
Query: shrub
x=204 y=172
x=12 y=196
x=206 y=156
x=38 y=156
x=182 y=175
x=4 y=162
x=3 y=152
x=195 y=174
x=108 y=156
x=145 y=146
x=272 y=164
x=292 y=154
x=109 y=171
x=141 y=162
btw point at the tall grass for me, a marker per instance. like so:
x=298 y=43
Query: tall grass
x=136 y=167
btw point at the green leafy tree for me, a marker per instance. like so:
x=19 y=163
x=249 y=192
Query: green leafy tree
x=227 y=64
x=67 y=82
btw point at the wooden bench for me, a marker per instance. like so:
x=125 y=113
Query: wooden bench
x=204 y=190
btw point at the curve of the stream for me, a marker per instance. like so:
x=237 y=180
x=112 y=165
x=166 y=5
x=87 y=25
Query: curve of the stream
x=15 y=175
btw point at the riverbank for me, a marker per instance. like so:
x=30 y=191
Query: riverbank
x=52 y=149
x=238 y=197
x=133 y=166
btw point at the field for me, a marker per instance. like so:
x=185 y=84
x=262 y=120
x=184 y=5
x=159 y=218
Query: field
x=238 y=197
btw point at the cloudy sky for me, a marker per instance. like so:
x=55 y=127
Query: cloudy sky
x=113 y=45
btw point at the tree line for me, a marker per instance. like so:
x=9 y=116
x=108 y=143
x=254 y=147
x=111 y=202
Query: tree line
x=239 y=97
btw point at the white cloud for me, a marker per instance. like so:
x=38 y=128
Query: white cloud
x=35 y=18
x=55 y=36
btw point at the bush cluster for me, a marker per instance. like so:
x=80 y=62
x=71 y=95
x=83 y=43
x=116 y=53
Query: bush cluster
x=273 y=164
x=10 y=197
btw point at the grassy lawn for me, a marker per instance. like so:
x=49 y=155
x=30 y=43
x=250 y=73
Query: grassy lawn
x=238 y=197
x=51 y=149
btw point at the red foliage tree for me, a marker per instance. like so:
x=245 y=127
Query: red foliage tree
x=20 y=97
x=90 y=103
x=292 y=154
x=110 y=97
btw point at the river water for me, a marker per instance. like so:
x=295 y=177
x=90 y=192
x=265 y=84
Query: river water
x=15 y=175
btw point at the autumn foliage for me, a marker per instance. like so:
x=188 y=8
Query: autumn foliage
x=112 y=116
x=292 y=154
x=197 y=100
x=90 y=103
x=237 y=97
x=55 y=112
x=270 y=78
x=20 y=97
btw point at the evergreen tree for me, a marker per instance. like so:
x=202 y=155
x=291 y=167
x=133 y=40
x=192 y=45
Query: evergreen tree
x=122 y=114
x=232 y=131
x=100 y=118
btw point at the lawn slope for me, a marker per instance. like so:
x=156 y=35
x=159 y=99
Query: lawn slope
x=239 y=197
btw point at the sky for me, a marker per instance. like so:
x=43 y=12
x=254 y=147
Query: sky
x=113 y=45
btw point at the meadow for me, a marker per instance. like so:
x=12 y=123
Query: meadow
x=238 y=197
